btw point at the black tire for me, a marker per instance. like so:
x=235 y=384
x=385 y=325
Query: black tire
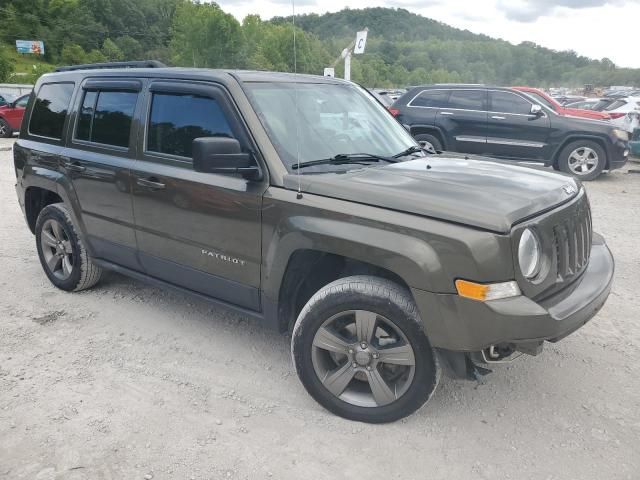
x=568 y=151
x=84 y=273
x=384 y=298
x=5 y=129
x=434 y=141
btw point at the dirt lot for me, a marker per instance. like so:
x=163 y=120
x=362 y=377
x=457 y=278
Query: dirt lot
x=130 y=382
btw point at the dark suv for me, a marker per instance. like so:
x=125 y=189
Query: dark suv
x=505 y=123
x=299 y=201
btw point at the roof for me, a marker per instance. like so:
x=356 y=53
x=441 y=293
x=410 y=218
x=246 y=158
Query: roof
x=196 y=74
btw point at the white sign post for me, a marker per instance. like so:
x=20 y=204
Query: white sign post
x=355 y=48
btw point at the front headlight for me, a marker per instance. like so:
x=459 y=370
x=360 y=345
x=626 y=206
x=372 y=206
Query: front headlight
x=621 y=134
x=529 y=254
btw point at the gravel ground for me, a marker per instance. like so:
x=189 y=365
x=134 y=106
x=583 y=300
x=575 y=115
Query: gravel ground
x=128 y=381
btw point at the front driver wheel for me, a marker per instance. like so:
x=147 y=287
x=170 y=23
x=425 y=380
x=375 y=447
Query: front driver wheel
x=360 y=350
x=583 y=159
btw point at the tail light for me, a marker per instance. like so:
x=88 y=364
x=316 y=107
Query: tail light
x=614 y=116
x=394 y=111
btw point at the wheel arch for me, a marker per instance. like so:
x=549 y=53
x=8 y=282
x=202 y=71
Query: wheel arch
x=431 y=130
x=298 y=262
x=593 y=138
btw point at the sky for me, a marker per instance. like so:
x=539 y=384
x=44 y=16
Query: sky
x=593 y=28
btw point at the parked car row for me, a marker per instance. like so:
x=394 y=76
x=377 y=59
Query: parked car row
x=11 y=114
x=510 y=124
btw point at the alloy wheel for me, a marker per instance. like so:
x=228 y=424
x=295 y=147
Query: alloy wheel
x=57 y=249
x=363 y=358
x=583 y=160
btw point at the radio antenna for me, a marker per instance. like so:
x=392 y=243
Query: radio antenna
x=295 y=91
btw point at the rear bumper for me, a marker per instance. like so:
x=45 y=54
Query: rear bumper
x=460 y=324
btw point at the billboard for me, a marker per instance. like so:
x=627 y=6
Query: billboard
x=30 y=46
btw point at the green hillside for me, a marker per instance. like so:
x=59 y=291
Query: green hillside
x=403 y=48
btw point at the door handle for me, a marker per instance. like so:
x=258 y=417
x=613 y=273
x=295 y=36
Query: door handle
x=72 y=166
x=446 y=113
x=497 y=117
x=151 y=183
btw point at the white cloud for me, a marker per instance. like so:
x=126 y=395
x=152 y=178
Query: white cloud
x=593 y=28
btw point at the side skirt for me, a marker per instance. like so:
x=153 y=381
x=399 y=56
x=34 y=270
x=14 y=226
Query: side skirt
x=170 y=286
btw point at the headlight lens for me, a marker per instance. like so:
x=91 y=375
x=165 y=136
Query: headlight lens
x=529 y=254
x=621 y=134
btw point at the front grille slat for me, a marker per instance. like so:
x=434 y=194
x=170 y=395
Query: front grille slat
x=572 y=244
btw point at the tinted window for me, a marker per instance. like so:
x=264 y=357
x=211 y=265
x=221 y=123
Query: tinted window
x=467 y=99
x=541 y=100
x=105 y=117
x=431 y=98
x=50 y=109
x=86 y=116
x=505 y=102
x=23 y=101
x=177 y=119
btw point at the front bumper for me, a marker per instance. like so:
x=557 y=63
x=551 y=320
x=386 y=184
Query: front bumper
x=460 y=324
x=618 y=155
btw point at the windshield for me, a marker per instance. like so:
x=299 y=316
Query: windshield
x=331 y=119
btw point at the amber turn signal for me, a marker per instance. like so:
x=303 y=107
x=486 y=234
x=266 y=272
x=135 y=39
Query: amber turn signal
x=489 y=291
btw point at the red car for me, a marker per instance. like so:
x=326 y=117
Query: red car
x=11 y=116
x=547 y=101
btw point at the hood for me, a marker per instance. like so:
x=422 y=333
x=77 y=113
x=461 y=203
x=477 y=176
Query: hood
x=481 y=193
x=578 y=112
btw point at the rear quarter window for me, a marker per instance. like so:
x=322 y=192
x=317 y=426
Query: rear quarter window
x=50 y=110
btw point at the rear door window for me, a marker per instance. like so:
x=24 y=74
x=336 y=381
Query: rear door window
x=430 y=98
x=176 y=119
x=505 y=102
x=105 y=117
x=50 y=110
x=468 y=100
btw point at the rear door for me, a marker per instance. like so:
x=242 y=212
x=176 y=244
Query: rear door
x=464 y=120
x=200 y=231
x=513 y=131
x=98 y=161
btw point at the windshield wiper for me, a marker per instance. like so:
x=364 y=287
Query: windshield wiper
x=345 y=158
x=414 y=149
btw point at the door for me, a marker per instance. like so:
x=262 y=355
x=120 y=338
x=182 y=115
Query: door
x=98 y=162
x=464 y=120
x=14 y=115
x=200 y=231
x=513 y=131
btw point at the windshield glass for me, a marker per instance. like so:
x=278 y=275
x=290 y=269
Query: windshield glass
x=331 y=119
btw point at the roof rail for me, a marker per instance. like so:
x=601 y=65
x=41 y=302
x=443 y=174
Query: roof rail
x=96 y=66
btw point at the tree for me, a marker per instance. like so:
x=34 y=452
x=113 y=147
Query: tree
x=111 y=51
x=205 y=36
x=6 y=65
x=73 y=54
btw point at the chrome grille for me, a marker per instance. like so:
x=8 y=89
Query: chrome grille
x=572 y=240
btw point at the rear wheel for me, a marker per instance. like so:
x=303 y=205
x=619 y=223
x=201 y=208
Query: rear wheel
x=583 y=159
x=426 y=139
x=360 y=350
x=5 y=129
x=63 y=256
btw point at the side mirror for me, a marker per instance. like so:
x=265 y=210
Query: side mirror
x=536 y=110
x=223 y=155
